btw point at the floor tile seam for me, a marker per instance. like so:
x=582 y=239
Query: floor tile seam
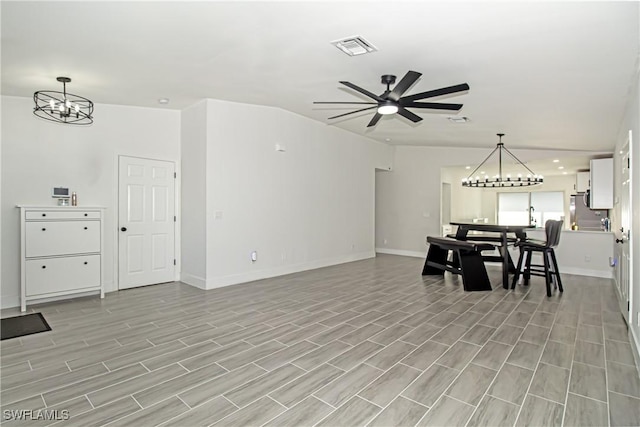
x=615 y=362
x=277 y=415
x=191 y=386
x=263 y=395
x=624 y=394
x=120 y=382
x=369 y=401
x=606 y=376
x=459 y=372
x=547 y=399
x=414 y=401
x=255 y=362
x=566 y=397
x=57 y=387
x=535 y=371
x=486 y=392
x=35 y=379
x=344 y=403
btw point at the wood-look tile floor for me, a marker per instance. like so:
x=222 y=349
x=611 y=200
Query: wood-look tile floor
x=365 y=343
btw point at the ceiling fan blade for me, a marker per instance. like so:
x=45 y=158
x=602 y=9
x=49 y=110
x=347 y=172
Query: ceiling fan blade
x=374 y=120
x=352 y=112
x=409 y=115
x=432 y=105
x=404 y=84
x=362 y=91
x=344 y=102
x=437 y=92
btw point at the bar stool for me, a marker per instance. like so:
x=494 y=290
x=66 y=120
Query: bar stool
x=549 y=268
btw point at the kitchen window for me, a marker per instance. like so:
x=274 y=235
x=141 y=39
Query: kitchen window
x=532 y=208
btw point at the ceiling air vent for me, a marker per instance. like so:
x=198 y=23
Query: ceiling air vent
x=354 y=45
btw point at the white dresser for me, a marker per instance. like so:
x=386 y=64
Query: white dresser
x=61 y=251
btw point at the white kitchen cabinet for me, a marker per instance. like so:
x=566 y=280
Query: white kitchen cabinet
x=601 y=195
x=582 y=181
x=61 y=251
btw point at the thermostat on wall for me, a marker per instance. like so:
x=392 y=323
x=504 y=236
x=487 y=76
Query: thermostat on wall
x=60 y=193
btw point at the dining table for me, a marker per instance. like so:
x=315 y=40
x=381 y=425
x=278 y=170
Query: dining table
x=519 y=231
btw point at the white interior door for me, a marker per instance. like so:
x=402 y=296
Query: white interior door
x=146 y=222
x=623 y=235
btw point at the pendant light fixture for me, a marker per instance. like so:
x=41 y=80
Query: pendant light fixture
x=501 y=180
x=63 y=107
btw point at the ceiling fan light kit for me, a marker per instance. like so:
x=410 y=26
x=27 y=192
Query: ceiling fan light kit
x=63 y=107
x=501 y=180
x=392 y=101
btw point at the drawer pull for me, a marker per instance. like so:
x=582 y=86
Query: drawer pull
x=86 y=214
x=44 y=229
x=44 y=266
x=85 y=263
x=86 y=228
x=44 y=214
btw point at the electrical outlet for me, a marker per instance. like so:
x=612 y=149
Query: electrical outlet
x=587 y=258
x=254 y=256
x=385 y=241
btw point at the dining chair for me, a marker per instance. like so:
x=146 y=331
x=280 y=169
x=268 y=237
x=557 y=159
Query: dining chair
x=549 y=267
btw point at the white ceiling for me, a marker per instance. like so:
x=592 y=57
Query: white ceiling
x=548 y=74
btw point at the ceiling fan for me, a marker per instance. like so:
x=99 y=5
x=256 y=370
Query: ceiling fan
x=392 y=101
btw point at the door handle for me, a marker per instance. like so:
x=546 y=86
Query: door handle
x=619 y=240
x=123 y=229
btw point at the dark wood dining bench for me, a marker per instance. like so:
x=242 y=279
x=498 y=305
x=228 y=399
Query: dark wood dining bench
x=470 y=262
x=489 y=238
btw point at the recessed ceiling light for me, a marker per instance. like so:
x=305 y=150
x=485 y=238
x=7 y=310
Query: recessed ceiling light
x=354 y=45
x=555 y=160
x=387 y=139
x=482 y=172
x=560 y=167
x=467 y=167
x=564 y=173
x=458 y=119
x=163 y=101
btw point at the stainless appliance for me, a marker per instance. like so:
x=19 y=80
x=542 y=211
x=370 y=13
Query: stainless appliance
x=583 y=217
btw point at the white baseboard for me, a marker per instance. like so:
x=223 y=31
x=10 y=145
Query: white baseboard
x=10 y=301
x=195 y=281
x=635 y=346
x=604 y=274
x=585 y=272
x=234 y=279
x=402 y=252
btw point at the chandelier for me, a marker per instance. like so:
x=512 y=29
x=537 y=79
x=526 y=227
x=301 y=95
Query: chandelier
x=63 y=107
x=500 y=180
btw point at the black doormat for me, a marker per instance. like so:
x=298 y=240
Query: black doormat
x=14 y=327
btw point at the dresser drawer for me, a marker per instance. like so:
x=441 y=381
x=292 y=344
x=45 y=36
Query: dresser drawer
x=53 y=275
x=48 y=238
x=46 y=215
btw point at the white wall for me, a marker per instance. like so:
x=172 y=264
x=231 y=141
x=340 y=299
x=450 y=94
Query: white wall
x=408 y=205
x=309 y=206
x=631 y=122
x=38 y=155
x=194 y=180
x=587 y=253
x=464 y=199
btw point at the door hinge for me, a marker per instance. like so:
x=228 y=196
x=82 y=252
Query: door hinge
x=628 y=162
x=628 y=306
x=174 y=262
x=174 y=218
x=175 y=174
